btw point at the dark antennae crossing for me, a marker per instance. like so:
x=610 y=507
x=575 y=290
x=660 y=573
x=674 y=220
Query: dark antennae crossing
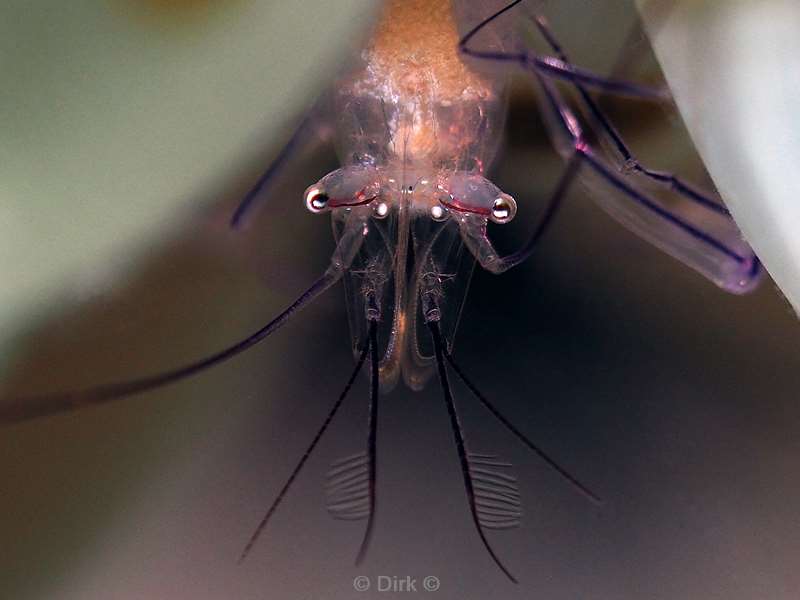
x=569 y=478
x=458 y=434
x=372 y=438
x=334 y=409
x=31 y=407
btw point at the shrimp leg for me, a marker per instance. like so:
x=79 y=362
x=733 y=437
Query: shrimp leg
x=558 y=67
x=701 y=235
x=687 y=224
x=477 y=241
x=630 y=161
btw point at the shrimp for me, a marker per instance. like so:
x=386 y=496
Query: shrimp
x=418 y=122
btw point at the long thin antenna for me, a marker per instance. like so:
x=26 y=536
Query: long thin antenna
x=254 y=537
x=30 y=407
x=460 y=445
x=248 y=202
x=372 y=438
x=571 y=479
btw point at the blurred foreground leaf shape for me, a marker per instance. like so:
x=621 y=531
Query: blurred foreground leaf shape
x=734 y=69
x=115 y=117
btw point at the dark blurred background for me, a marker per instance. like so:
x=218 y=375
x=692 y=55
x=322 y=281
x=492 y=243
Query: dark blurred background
x=675 y=402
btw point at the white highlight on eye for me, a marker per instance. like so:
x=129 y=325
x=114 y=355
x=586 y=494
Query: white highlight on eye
x=438 y=213
x=381 y=210
x=504 y=209
x=316 y=199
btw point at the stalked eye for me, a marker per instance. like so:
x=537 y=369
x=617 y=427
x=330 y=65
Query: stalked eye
x=473 y=193
x=346 y=188
x=316 y=199
x=438 y=212
x=503 y=209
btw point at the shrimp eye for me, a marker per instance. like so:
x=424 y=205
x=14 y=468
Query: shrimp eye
x=380 y=210
x=503 y=209
x=438 y=212
x=316 y=199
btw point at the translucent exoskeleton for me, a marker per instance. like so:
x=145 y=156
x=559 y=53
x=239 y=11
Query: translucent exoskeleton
x=418 y=120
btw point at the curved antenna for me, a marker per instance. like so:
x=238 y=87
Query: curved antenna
x=248 y=202
x=458 y=434
x=21 y=409
x=372 y=438
x=332 y=413
x=568 y=477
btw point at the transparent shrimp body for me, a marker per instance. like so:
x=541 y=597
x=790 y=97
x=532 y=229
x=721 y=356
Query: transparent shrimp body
x=416 y=128
x=414 y=144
